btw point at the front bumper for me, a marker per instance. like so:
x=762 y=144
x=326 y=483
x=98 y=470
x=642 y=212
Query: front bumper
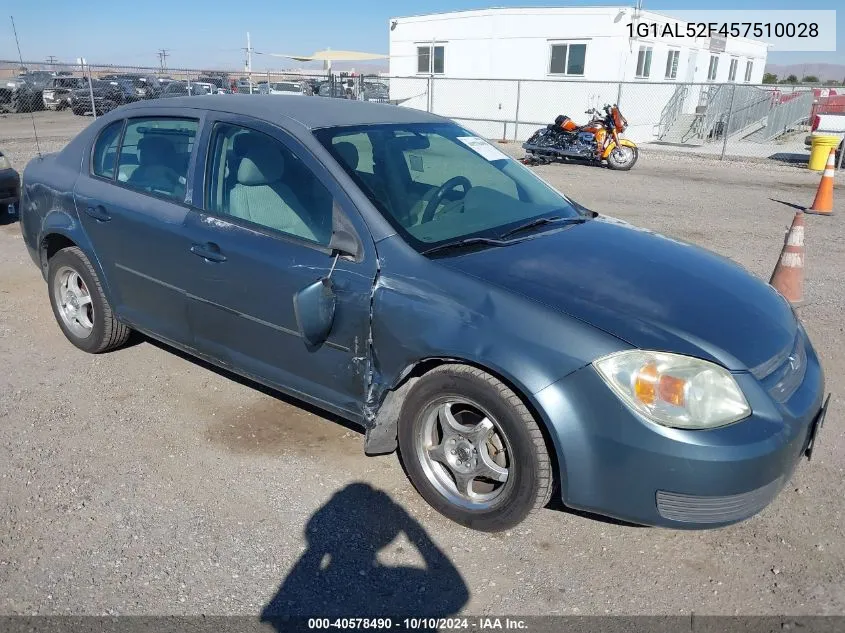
x=56 y=102
x=10 y=188
x=615 y=463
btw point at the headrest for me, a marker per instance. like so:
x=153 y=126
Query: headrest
x=261 y=160
x=348 y=153
x=155 y=148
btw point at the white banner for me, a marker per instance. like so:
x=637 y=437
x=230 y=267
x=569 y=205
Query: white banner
x=783 y=30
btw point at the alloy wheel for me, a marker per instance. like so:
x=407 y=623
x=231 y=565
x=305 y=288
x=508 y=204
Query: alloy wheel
x=76 y=308
x=464 y=453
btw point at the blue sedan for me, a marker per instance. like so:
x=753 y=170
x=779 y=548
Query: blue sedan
x=393 y=268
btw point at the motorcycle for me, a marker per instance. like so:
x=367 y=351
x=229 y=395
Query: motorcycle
x=597 y=141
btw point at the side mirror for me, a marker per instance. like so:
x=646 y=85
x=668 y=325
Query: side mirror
x=314 y=307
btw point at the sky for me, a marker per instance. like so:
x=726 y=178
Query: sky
x=198 y=33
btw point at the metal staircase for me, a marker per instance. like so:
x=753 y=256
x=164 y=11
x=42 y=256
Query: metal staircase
x=724 y=109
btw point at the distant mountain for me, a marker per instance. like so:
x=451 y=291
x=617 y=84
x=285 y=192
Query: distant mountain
x=822 y=71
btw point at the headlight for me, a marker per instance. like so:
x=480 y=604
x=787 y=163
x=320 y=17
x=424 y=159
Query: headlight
x=674 y=390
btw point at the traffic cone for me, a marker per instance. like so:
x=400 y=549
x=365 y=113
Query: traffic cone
x=788 y=277
x=823 y=204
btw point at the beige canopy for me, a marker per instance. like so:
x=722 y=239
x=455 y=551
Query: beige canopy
x=332 y=56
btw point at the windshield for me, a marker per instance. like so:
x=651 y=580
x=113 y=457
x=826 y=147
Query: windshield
x=437 y=182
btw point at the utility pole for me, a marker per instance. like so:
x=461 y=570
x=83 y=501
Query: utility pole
x=162 y=58
x=51 y=59
x=248 y=61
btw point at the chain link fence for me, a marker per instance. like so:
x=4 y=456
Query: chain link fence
x=95 y=88
x=719 y=120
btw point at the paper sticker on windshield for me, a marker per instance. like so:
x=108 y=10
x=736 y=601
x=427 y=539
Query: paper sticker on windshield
x=483 y=147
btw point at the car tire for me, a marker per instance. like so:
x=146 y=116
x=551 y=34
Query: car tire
x=434 y=457
x=90 y=325
x=18 y=105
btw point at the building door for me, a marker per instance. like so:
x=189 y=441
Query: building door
x=691 y=60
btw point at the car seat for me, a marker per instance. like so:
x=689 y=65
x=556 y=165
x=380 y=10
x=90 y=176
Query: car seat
x=259 y=194
x=156 y=169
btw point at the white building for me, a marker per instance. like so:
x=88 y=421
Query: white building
x=575 y=44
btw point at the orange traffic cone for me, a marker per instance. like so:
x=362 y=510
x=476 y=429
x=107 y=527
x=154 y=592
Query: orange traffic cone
x=823 y=204
x=788 y=277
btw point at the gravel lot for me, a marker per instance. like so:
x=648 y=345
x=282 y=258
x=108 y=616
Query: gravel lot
x=144 y=482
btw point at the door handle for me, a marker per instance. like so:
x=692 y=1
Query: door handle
x=209 y=251
x=99 y=213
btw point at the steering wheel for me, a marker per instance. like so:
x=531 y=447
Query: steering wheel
x=437 y=198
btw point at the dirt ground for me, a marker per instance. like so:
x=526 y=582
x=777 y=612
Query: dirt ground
x=144 y=482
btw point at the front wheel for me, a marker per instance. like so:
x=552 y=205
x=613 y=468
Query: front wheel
x=622 y=157
x=473 y=450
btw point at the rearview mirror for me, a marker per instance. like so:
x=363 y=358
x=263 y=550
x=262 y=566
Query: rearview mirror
x=415 y=141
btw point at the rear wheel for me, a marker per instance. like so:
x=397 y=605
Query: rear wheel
x=622 y=157
x=473 y=450
x=79 y=304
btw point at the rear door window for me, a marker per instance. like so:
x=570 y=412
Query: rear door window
x=155 y=153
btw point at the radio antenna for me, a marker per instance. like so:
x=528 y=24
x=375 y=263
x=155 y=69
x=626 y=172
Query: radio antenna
x=31 y=113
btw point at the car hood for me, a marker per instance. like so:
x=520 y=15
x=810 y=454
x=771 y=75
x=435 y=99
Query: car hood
x=651 y=291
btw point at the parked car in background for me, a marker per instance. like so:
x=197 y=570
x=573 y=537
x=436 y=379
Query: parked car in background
x=244 y=86
x=144 y=86
x=57 y=91
x=375 y=91
x=219 y=83
x=185 y=89
x=310 y=85
x=393 y=268
x=335 y=89
x=9 y=188
x=203 y=88
x=24 y=93
x=107 y=96
x=281 y=88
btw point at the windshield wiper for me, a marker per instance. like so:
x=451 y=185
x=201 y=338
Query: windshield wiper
x=469 y=241
x=552 y=219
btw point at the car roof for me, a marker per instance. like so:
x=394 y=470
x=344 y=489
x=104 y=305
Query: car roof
x=287 y=112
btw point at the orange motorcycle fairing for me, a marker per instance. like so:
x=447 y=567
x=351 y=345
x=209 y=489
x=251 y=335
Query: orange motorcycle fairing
x=619 y=121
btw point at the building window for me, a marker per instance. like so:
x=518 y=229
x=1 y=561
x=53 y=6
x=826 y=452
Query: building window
x=567 y=59
x=714 y=68
x=732 y=70
x=749 y=67
x=431 y=59
x=644 y=62
x=672 y=64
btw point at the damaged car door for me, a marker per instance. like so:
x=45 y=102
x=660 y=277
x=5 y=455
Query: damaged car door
x=281 y=279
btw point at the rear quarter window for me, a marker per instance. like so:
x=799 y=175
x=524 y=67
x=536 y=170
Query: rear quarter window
x=104 y=155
